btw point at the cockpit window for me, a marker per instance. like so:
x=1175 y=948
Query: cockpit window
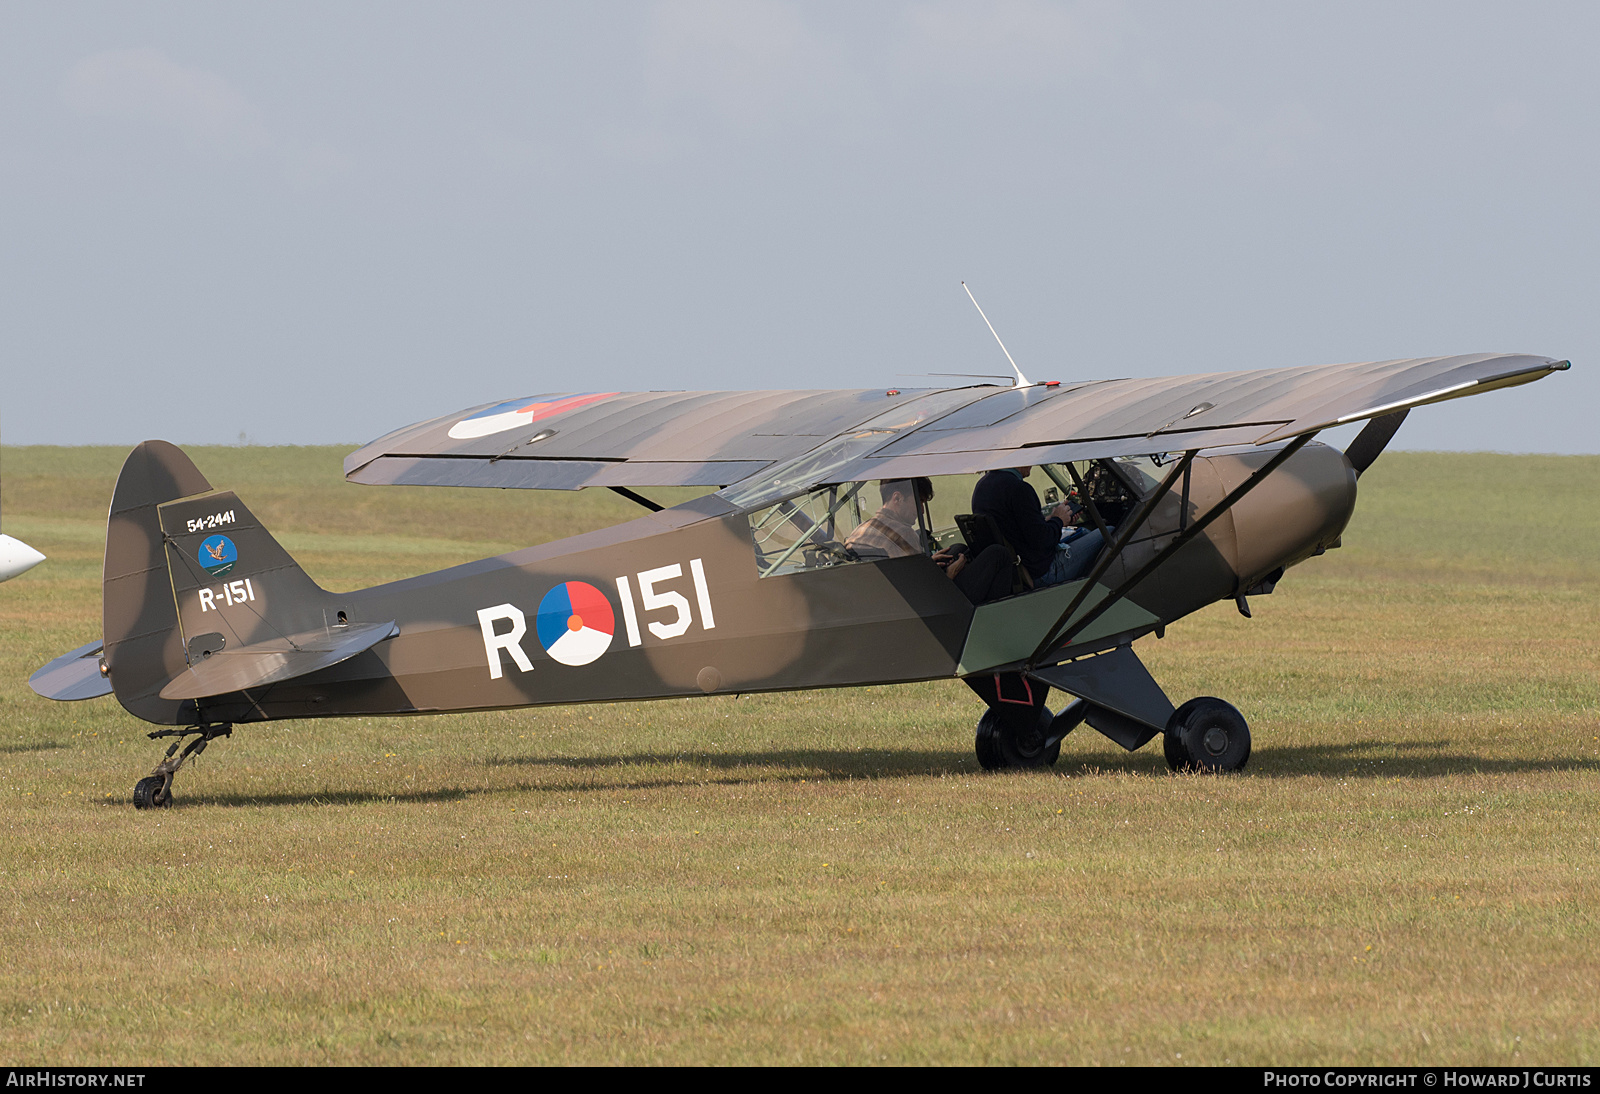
x=838 y=525
x=1143 y=472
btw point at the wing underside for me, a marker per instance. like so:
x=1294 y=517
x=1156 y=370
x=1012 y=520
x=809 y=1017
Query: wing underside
x=573 y=440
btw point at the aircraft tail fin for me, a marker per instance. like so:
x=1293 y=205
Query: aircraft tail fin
x=139 y=620
x=199 y=598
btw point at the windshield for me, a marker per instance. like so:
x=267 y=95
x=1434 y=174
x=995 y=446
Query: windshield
x=826 y=461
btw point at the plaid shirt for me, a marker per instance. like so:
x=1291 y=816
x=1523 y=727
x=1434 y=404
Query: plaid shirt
x=886 y=535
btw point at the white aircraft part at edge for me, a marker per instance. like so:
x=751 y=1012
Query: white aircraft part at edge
x=16 y=558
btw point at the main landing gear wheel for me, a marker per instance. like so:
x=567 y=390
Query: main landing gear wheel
x=152 y=793
x=1018 y=737
x=1206 y=734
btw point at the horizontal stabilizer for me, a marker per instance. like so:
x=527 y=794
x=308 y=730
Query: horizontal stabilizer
x=225 y=671
x=73 y=676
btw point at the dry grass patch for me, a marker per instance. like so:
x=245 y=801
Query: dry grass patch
x=1404 y=874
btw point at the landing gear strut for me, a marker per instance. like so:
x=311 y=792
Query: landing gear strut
x=155 y=792
x=1206 y=734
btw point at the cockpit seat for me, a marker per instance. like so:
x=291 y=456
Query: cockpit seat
x=981 y=532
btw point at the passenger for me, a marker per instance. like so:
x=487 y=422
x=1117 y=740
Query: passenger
x=1050 y=553
x=894 y=530
x=982 y=577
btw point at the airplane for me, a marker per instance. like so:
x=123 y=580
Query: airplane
x=1204 y=488
x=16 y=558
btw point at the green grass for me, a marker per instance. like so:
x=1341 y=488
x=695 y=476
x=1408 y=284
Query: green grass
x=1406 y=872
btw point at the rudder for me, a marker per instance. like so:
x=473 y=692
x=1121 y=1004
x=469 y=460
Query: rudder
x=190 y=572
x=139 y=620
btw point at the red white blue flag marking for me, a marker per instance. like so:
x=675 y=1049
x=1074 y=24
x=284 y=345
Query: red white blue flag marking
x=575 y=623
x=519 y=412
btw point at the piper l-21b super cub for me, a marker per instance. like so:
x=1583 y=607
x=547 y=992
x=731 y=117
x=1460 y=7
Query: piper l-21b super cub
x=1206 y=488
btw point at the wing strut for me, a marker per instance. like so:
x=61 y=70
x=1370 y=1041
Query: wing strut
x=640 y=498
x=1178 y=543
x=1110 y=555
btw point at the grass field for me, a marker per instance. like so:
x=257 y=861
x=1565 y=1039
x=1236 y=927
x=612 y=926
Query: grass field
x=1405 y=873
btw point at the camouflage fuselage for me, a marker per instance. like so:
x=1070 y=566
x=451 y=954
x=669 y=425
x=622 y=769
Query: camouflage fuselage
x=684 y=610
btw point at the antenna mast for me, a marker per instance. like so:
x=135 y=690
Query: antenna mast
x=1022 y=381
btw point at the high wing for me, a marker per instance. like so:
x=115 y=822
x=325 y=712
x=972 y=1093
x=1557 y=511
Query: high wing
x=777 y=440
x=653 y=438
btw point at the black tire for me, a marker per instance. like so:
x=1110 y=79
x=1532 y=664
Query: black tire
x=1016 y=738
x=1215 y=735
x=1172 y=746
x=987 y=744
x=1178 y=758
x=145 y=793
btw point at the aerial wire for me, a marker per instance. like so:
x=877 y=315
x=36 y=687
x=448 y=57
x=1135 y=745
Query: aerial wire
x=1022 y=381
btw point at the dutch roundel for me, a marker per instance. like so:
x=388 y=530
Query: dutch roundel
x=521 y=412
x=575 y=623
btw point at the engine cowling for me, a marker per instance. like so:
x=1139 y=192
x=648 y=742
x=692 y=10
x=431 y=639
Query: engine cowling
x=1298 y=511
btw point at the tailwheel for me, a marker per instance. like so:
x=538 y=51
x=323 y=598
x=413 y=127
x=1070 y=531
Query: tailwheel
x=151 y=793
x=1206 y=734
x=155 y=791
x=1017 y=738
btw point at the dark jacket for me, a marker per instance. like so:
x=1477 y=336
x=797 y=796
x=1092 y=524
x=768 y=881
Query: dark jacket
x=1008 y=498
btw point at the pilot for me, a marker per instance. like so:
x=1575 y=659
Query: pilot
x=894 y=530
x=1051 y=553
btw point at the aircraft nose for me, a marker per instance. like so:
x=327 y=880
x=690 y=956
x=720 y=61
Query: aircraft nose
x=1297 y=512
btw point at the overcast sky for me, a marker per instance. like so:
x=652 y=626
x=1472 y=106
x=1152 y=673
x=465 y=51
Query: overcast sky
x=312 y=223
